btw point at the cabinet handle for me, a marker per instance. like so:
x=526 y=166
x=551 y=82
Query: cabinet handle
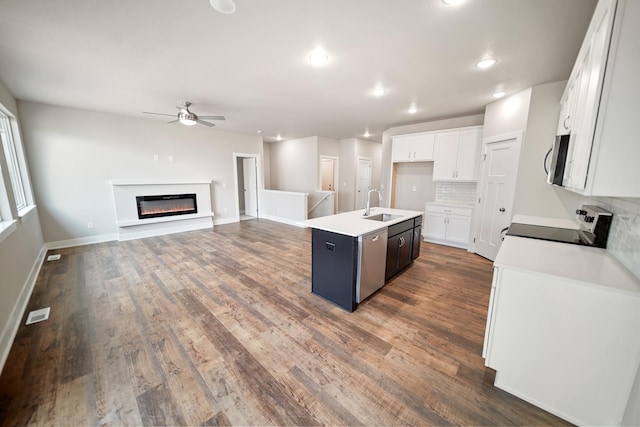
x=564 y=124
x=447 y=210
x=409 y=156
x=401 y=242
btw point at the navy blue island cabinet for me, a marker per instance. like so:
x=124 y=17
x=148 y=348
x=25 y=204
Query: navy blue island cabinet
x=334 y=267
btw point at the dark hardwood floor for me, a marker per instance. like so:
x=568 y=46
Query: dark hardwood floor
x=220 y=328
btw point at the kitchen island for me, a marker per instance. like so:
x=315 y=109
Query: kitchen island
x=353 y=254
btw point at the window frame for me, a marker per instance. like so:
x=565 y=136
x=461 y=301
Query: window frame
x=21 y=197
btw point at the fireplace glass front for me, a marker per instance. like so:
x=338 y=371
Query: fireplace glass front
x=166 y=205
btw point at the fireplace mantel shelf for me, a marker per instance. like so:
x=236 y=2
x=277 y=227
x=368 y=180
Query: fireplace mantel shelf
x=134 y=222
x=123 y=182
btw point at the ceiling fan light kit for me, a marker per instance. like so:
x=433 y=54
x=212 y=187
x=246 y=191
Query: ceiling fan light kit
x=188 y=118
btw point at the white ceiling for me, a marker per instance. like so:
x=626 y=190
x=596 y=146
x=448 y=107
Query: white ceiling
x=130 y=56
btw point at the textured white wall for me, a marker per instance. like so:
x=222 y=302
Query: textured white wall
x=350 y=150
x=18 y=257
x=74 y=153
x=533 y=195
x=294 y=164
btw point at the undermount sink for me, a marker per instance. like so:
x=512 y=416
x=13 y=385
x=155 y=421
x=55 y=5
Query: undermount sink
x=382 y=217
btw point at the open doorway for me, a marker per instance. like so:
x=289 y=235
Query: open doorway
x=329 y=177
x=246 y=179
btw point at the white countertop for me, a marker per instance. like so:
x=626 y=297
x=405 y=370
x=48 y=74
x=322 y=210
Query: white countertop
x=355 y=224
x=585 y=264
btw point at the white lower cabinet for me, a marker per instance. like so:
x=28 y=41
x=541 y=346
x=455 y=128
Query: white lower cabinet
x=561 y=341
x=447 y=225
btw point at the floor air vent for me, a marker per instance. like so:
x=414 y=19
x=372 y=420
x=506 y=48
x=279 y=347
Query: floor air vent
x=38 y=315
x=53 y=257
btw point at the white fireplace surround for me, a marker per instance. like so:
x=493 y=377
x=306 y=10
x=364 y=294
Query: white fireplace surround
x=130 y=227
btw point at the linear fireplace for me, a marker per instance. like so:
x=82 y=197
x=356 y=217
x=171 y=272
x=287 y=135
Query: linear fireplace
x=166 y=205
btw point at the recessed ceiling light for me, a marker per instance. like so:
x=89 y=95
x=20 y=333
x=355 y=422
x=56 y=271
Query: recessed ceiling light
x=453 y=2
x=486 y=63
x=366 y=134
x=412 y=108
x=223 y=6
x=378 y=91
x=259 y=131
x=279 y=138
x=318 y=57
x=498 y=94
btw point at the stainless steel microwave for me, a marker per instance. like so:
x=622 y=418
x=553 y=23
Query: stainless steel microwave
x=559 y=154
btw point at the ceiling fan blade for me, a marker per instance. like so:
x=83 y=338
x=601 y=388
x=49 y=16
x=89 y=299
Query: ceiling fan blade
x=202 y=122
x=212 y=117
x=159 y=114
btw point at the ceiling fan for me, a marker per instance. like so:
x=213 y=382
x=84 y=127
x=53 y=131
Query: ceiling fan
x=188 y=118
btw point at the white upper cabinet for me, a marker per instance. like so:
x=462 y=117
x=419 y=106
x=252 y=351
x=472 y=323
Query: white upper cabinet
x=417 y=147
x=457 y=155
x=600 y=105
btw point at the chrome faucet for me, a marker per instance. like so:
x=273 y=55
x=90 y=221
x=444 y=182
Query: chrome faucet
x=368 y=210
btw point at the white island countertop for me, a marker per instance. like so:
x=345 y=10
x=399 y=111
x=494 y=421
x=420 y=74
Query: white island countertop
x=355 y=224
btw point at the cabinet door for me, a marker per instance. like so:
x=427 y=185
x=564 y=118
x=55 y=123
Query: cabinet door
x=402 y=149
x=469 y=155
x=458 y=228
x=435 y=226
x=405 y=247
x=423 y=147
x=446 y=156
x=415 y=251
x=393 y=248
x=590 y=83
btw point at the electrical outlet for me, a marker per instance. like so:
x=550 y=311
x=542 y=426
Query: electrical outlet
x=155 y=157
x=90 y=224
x=414 y=188
x=171 y=158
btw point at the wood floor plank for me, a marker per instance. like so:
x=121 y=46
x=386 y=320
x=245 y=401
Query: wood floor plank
x=220 y=328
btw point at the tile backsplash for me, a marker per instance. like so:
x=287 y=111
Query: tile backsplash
x=459 y=193
x=624 y=236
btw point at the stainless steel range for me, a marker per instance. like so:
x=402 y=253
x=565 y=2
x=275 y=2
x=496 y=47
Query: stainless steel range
x=595 y=223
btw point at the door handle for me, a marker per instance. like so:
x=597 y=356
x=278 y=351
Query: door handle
x=502 y=209
x=375 y=239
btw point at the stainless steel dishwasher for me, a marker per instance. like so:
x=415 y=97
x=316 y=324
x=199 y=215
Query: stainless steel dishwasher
x=372 y=256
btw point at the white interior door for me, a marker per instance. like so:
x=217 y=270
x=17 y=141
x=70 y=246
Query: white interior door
x=496 y=192
x=363 y=185
x=328 y=175
x=250 y=176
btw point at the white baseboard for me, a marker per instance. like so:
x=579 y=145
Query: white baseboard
x=446 y=243
x=11 y=329
x=226 y=220
x=81 y=241
x=283 y=220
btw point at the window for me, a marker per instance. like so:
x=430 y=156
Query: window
x=13 y=166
